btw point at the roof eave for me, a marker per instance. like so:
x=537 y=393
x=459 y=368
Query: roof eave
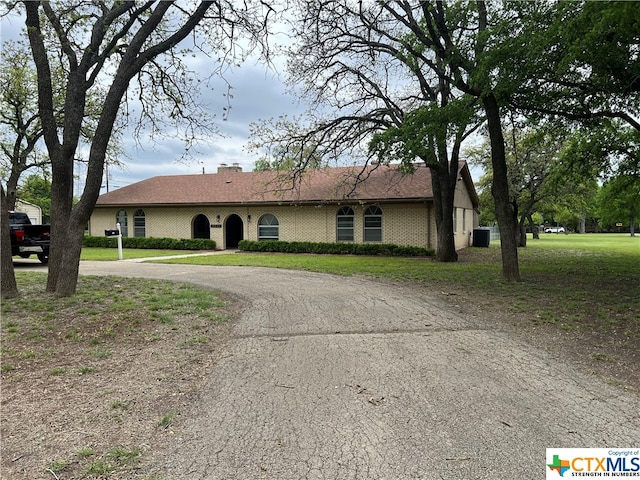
x=269 y=203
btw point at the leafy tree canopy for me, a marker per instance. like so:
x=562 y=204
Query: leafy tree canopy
x=619 y=201
x=37 y=190
x=582 y=60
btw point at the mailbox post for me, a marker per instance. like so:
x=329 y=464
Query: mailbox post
x=120 y=256
x=116 y=233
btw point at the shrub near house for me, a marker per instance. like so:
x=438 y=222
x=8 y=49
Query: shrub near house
x=151 y=243
x=336 y=248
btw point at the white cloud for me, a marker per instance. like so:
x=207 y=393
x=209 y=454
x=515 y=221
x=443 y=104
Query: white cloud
x=257 y=93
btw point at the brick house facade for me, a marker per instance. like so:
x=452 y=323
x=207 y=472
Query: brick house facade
x=325 y=205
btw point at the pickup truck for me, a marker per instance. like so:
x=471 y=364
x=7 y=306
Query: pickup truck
x=28 y=239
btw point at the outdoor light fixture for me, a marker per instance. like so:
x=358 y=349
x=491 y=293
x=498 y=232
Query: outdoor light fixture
x=218 y=218
x=248 y=218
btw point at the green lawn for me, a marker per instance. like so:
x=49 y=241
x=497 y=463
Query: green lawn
x=621 y=243
x=108 y=254
x=575 y=281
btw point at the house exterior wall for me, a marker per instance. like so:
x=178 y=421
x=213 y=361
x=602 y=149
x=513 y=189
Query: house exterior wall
x=403 y=223
x=465 y=216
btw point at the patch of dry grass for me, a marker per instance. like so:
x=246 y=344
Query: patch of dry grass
x=88 y=382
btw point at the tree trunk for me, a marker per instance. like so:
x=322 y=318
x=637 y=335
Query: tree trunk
x=69 y=256
x=11 y=192
x=68 y=221
x=71 y=226
x=443 y=196
x=61 y=203
x=8 y=285
x=534 y=228
x=500 y=191
x=522 y=238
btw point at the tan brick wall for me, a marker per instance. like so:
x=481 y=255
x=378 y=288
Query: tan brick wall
x=102 y=219
x=402 y=224
x=405 y=225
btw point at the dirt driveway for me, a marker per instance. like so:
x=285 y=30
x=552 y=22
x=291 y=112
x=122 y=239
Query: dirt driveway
x=349 y=378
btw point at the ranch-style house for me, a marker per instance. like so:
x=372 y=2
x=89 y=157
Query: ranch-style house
x=344 y=204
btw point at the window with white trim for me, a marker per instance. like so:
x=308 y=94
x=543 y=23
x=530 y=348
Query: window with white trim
x=268 y=227
x=139 y=224
x=344 y=225
x=122 y=219
x=373 y=224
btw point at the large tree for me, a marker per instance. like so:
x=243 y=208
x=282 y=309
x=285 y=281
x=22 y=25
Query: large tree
x=582 y=72
x=374 y=95
x=20 y=127
x=376 y=63
x=583 y=60
x=109 y=46
x=619 y=201
x=574 y=60
x=532 y=155
x=607 y=149
x=464 y=37
x=436 y=139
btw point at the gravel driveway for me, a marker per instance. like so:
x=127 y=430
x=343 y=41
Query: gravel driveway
x=349 y=378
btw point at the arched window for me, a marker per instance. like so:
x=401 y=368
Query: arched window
x=373 y=224
x=139 y=224
x=268 y=227
x=121 y=218
x=344 y=225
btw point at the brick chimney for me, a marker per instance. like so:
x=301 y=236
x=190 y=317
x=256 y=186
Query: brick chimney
x=224 y=168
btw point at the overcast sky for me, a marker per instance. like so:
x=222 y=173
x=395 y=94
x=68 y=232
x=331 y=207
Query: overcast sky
x=258 y=94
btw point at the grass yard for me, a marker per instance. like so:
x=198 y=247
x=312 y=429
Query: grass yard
x=580 y=293
x=92 y=383
x=568 y=280
x=587 y=285
x=583 y=284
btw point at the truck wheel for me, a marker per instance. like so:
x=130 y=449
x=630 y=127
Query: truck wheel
x=43 y=257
